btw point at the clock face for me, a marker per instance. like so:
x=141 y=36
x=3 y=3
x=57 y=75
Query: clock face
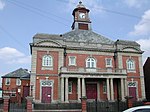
x=82 y=15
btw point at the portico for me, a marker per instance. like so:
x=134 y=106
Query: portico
x=84 y=79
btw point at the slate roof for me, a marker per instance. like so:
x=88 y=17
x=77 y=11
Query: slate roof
x=127 y=42
x=75 y=37
x=86 y=36
x=19 y=73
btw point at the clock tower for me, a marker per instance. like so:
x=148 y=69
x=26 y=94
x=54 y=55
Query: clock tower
x=81 y=18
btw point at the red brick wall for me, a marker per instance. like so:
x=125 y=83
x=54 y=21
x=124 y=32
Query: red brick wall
x=13 y=86
x=55 y=86
x=81 y=59
x=136 y=74
x=74 y=95
x=40 y=54
x=24 y=83
x=103 y=96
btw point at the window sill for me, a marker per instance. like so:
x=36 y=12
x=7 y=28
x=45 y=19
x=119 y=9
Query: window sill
x=47 y=68
x=131 y=71
x=91 y=69
x=7 y=84
x=109 y=66
x=72 y=65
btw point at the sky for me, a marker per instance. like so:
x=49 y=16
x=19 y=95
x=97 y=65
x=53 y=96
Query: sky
x=20 y=20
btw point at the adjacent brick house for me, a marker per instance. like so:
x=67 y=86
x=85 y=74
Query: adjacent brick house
x=83 y=63
x=16 y=84
x=146 y=68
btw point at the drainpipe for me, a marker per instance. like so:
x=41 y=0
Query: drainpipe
x=115 y=66
x=65 y=55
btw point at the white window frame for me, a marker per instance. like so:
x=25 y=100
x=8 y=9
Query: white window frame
x=70 y=87
x=130 y=63
x=72 y=60
x=18 y=82
x=108 y=62
x=47 y=62
x=13 y=94
x=90 y=63
x=7 y=80
x=104 y=87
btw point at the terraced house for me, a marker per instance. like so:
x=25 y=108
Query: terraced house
x=83 y=63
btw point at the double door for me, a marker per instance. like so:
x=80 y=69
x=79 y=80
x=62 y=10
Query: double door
x=91 y=91
x=46 y=94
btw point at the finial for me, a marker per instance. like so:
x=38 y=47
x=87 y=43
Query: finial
x=80 y=2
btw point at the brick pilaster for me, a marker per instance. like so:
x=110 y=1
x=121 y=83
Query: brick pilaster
x=129 y=101
x=29 y=103
x=83 y=103
x=6 y=103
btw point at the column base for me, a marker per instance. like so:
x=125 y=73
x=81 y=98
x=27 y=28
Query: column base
x=66 y=101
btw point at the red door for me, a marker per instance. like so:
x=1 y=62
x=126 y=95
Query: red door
x=91 y=91
x=46 y=94
x=132 y=92
x=26 y=91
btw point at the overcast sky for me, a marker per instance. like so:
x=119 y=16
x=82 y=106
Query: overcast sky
x=20 y=20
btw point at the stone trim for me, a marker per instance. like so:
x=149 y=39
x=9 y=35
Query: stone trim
x=52 y=91
x=92 y=76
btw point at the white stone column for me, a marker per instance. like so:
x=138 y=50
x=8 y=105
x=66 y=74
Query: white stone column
x=98 y=90
x=62 y=89
x=108 y=89
x=66 y=90
x=79 y=90
x=112 y=89
x=126 y=87
x=122 y=89
x=83 y=87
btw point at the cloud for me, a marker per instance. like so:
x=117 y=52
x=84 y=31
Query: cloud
x=21 y=60
x=13 y=56
x=145 y=46
x=143 y=27
x=93 y=5
x=2 y=5
x=135 y=3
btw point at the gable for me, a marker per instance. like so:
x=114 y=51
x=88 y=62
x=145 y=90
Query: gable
x=132 y=49
x=48 y=43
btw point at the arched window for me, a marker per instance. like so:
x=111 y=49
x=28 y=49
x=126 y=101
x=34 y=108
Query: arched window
x=47 y=60
x=90 y=63
x=130 y=65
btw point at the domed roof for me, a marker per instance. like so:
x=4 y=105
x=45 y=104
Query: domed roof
x=86 y=36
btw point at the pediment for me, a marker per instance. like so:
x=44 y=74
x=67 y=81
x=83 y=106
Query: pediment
x=131 y=49
x=48 y=43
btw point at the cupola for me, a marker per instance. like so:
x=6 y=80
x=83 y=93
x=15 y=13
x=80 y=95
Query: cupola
x=81 y=18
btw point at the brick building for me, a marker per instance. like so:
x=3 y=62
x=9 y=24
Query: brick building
x=83 y=63
x=146 y=68
x=16 y=84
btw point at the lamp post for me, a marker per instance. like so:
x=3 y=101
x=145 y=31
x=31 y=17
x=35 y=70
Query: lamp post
x=31 y=90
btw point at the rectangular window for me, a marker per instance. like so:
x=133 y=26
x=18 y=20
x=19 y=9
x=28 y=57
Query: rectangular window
x=7 y=81
x=70 y=87
x=108 y=62
x=72 y=60
x=13 y=94
x=104 y=87
x=18 y=82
